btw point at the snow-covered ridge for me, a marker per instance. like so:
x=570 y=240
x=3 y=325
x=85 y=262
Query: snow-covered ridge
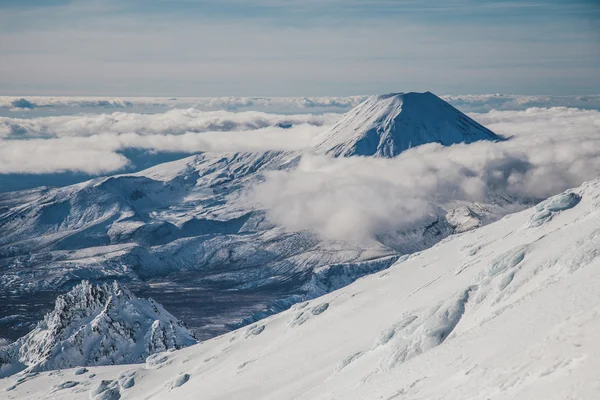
x=386 y=125
x=509 y=310
x=96 y=325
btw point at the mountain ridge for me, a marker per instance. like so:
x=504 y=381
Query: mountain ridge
x=96 y=325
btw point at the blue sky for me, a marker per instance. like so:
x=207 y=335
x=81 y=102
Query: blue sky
x=297 y=48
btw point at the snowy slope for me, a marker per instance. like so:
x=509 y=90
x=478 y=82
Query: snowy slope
x=509 y=310
x=386 y=125
x=96 y=325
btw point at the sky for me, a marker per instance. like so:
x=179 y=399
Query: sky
x=298 y=47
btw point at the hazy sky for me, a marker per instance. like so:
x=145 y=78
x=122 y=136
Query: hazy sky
x=298 y=47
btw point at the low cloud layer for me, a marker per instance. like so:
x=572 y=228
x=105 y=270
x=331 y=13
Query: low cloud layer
x=173 y=122
x=355 y=198
x=466 y=103
x=99 y=154
x=551 y=149
x=18 y=103
x=92 y=144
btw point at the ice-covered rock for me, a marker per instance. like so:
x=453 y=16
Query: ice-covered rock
x=97 y=325
x=463 y=219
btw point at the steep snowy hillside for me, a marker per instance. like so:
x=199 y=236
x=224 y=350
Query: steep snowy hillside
x=95 y=325
x=188 y=230
x=507 y=311
x=386 y=125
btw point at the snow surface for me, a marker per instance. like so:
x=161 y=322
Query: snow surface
x=509 y=310
x=386 y=125
x=95 y=325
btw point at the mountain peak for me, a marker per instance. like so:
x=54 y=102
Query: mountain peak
x=386 y=125
x=96 y=325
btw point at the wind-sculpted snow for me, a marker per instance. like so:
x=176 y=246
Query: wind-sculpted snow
x=425 y=332
x=96 y=325
x=546 y=209
x=443 y=323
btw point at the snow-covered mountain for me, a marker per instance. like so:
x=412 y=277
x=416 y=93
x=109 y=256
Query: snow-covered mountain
x=510 y=310
x=386 y=125
x=96 y=325
x=188 y=227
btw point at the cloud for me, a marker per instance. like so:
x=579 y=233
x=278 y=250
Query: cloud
x=487 y=102
x=361 y=48
x=551 y=149
x=466 y=103
x=173 y=122
x=359 y=197
x=58 y=155
x=99 y=153
x=16 y=103
x=93 y=143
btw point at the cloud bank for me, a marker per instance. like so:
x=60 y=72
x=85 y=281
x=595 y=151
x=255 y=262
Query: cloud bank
x=359 y=197
x=19 y=103
x=92 y=144
x=99 y=154
x=172 y=122
x=466 y=103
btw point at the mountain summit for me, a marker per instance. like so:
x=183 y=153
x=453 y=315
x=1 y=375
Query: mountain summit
x=386 y=125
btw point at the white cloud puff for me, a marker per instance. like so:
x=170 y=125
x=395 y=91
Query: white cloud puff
x=355 y=198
